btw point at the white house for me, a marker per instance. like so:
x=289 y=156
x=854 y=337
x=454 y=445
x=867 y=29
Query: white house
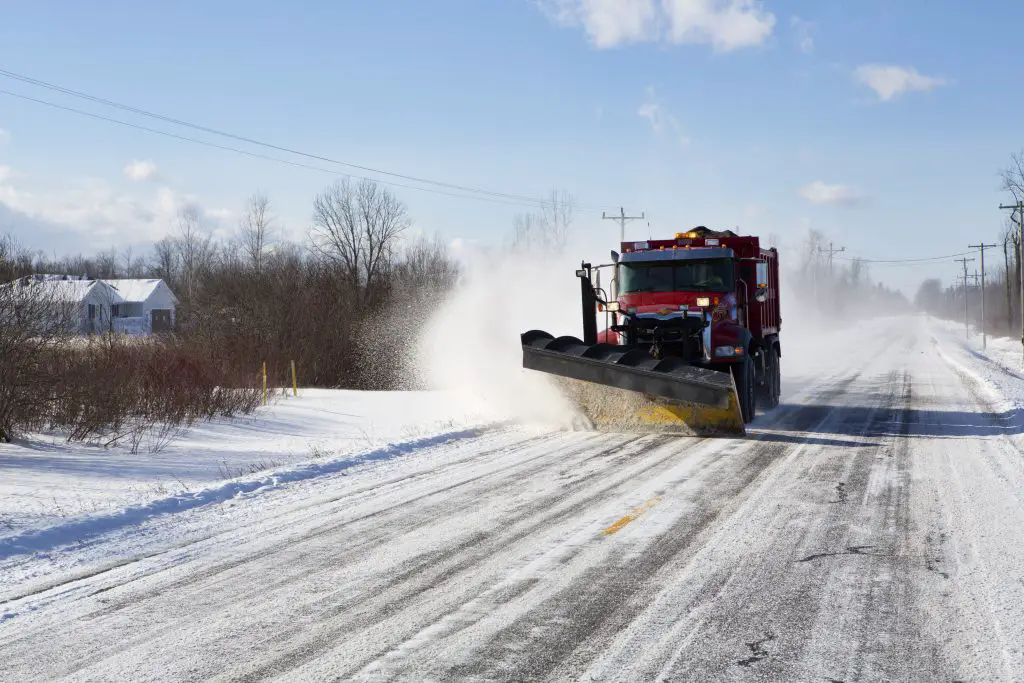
x=92 y=302
x=143 y=306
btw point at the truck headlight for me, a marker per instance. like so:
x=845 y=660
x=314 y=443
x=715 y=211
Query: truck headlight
x=612 y=306
x=703 y=301
x=728 y=351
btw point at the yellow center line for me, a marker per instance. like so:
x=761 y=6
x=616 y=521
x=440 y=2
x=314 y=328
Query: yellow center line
x=633 y=515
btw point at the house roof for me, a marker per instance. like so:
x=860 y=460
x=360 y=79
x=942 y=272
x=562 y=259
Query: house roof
x=70 y=291
x=135 y=291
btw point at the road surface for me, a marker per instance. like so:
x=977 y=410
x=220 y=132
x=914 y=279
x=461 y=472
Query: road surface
x=868 y=529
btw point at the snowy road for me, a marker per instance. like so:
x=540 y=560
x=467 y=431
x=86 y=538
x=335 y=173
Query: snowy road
x=869 y=529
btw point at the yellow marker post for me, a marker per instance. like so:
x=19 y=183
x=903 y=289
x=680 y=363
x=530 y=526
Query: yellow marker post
x=264 y=382
x=295 y=382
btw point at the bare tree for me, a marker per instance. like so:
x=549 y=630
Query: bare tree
x=548 y=229
x=195 y=250
x=1013 y=176
x=106 y=264
x=356 y=227
x=557 y=212
x=165 y=262
x=255 y=230
x=526 y=232
x=131 y=265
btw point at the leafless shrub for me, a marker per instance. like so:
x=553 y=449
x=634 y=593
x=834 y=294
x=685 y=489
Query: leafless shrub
x=227 y=471
x=33 y=321
x=113 y=390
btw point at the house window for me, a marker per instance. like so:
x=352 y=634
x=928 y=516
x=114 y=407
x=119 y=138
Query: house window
x=115 y=310
x=92 y=311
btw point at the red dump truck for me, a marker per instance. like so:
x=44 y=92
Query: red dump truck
x=692 y=321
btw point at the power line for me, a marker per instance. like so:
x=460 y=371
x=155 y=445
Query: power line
x=967 y=329
x=252 y=141
x=981 y=246
x=906 y=260
x=622 y=219
x=832 y=251
x=265 y=157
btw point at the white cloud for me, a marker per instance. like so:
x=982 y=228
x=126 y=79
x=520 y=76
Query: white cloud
x=726 y=25
x=607 y=22
x=803 y=34
x=92 y=208
x=662 y=121
x=8 y=174
x=820 y=192
x=889 y=81
x=140 y=170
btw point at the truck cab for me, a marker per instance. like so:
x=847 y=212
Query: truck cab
x=708 y=298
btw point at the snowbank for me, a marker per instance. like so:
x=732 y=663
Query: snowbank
x=48 y=482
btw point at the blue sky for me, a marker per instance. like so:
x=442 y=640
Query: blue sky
x=881 y=124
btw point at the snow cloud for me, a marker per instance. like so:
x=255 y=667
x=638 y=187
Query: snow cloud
x=662 y=121
x=889 y=81
x=726 y=25
x=140 y=170
x=820 y=192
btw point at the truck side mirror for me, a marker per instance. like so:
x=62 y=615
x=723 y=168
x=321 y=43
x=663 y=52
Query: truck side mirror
x=615 y=256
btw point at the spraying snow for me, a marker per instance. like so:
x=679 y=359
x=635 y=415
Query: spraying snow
x=471 y=345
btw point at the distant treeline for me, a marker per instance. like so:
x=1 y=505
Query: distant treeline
x=258 y=297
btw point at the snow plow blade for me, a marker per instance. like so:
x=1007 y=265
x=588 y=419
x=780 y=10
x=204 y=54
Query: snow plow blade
x=636 y=392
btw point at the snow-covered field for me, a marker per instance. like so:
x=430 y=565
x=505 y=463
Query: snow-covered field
x=46 y=481
x=870 y=528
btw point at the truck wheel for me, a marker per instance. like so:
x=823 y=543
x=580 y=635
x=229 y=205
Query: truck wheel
x=743 y=375
x=772 y=381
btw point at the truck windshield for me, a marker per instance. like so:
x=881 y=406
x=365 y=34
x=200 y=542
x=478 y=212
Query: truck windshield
x=676 y=276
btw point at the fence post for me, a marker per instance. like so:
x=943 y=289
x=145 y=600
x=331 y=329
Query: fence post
x=264 y=382
x=295 y=382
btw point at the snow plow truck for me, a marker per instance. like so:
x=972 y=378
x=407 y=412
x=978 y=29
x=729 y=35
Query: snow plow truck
x=690 y=341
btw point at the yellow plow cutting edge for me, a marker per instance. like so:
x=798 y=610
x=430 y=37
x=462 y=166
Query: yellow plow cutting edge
x=619 y=388
x=617 y=410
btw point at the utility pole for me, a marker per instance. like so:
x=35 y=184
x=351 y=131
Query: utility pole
x=1019 y=209
x=982 y=247
x=622 y=218
x=965 y=261
x=832 y=251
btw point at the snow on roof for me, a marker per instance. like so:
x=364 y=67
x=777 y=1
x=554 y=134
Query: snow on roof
x=74 y=288
x=70 y=291
x=134 y=291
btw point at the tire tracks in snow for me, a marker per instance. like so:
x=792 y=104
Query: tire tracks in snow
x=595 y=602
x=198 y=584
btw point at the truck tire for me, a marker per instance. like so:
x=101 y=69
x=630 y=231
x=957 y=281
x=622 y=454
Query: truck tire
x=743 y=375
x=768 y=397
